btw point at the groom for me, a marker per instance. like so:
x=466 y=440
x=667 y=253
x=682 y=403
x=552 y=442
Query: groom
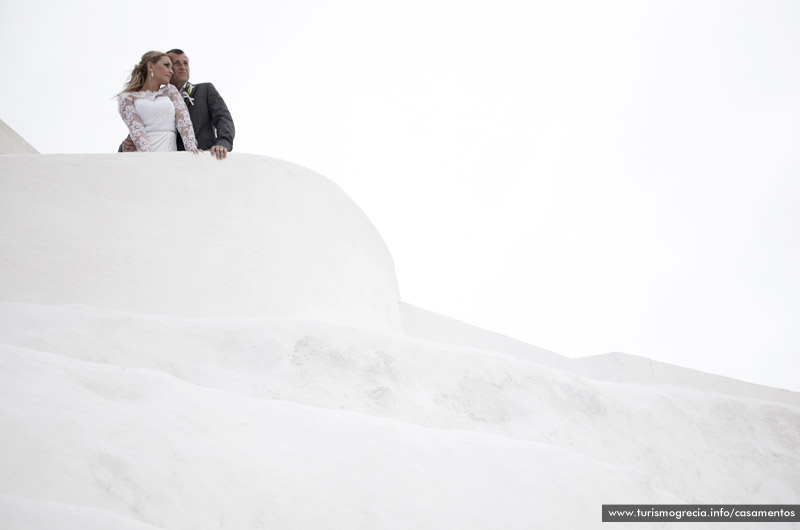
x=211 y=119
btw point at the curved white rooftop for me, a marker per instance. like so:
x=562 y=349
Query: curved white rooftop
x=187 y=235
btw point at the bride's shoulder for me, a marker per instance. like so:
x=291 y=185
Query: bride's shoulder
x=122 y=96
x=133 y=94
x=150 y=94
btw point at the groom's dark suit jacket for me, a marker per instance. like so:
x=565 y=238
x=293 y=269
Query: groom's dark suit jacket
x=211 y=120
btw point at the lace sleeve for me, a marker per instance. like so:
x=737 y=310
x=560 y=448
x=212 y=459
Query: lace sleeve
x=133 y=121
x=182 y=120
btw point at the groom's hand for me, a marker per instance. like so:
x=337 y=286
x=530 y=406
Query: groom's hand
x=128 y=146
x=219 y=152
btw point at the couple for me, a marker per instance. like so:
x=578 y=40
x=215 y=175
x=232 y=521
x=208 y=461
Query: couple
x=158 y=100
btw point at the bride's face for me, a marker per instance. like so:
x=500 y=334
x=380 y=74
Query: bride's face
x=162 y=69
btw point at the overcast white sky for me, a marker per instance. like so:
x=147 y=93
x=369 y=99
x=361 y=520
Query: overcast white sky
x=584 y=176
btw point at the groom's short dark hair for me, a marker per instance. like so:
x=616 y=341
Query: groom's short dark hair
x=176 y=50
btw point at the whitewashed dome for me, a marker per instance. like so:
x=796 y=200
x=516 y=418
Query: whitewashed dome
x=182 y=234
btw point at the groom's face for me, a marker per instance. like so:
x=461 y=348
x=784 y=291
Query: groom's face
x=180 y=69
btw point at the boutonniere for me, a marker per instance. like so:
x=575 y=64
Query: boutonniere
x=187 y=93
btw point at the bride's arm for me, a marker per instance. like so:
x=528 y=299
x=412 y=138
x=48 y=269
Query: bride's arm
x=134 y=122
x=182 y=120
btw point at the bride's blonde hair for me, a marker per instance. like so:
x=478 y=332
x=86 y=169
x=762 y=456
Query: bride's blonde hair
x=139 y=73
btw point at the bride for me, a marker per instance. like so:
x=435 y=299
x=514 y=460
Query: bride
x=153 y=112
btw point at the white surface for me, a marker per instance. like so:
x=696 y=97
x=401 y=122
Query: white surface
x=175 y=233
x=424 y=324
x=114 y=417
x=198 y=423
x=13 y=144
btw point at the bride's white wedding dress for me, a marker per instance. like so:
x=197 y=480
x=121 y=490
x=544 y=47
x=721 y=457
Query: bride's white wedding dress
x=153 y=117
